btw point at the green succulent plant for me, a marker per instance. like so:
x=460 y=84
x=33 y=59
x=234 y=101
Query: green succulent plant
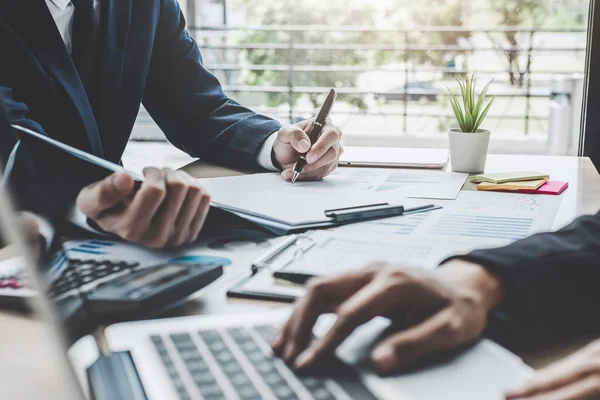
x=472 y=113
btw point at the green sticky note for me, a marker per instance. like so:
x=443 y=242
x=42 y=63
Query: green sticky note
x=504 y=177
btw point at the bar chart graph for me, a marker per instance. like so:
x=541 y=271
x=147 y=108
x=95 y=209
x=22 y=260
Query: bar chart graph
x=489 y=218
x=405 y=225
x=483 y=226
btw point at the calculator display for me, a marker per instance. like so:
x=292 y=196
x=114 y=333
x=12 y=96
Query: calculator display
x=151 y=277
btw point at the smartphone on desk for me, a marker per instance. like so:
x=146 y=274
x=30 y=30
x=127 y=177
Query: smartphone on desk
x=78 y=165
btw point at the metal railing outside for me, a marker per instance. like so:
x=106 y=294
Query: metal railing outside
x=222 y=46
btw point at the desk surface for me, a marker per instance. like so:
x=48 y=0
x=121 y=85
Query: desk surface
x=26 y=373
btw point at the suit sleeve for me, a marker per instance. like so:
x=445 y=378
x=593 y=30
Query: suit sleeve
x=189 y=105
x=551 y=281
x=36 y=186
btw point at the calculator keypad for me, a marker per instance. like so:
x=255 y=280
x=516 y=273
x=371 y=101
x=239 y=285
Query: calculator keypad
x=85 y=272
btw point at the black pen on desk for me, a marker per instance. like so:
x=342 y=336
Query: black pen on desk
x=315 y=131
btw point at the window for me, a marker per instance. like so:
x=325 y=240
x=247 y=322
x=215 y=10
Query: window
x=391 y=61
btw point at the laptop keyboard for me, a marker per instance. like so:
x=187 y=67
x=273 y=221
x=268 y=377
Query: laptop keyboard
x=237 y=363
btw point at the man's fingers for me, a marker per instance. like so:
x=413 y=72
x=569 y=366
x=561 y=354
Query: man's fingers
x=329 y=138
x=287 y=174
x=200 y=218
x=329 y=158
x=163 y=224
x=98 y=197
x=185 y=219
x=299 y=327
x=362 y=307
x=560 y=373
x=312 y=174
x=439 y=332
x=136 y=222
x=296 y=137
x=586 y=388
x=317 y=174
x=322 y=294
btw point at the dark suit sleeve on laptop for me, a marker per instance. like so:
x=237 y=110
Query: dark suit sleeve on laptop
x=551 y=280
x=189 y=105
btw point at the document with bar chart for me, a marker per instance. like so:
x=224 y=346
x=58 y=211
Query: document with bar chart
x=474 y=220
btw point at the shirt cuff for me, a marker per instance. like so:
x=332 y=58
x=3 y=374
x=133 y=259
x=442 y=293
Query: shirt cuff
x=264 y=155
x=78 y=218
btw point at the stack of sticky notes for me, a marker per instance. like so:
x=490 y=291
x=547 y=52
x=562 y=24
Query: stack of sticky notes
x=520 y=182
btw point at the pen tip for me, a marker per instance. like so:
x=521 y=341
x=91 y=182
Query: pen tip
x=294 y=177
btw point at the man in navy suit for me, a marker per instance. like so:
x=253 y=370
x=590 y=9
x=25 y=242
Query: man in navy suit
x=78 y=70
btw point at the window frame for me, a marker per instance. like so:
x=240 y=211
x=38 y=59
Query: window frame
x=589 y=138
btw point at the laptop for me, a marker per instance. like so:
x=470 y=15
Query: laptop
x=394 y=157
x=228 y=357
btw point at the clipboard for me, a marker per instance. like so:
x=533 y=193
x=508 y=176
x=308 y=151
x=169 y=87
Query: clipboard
x=337 y=217
x=240 y=292
x=269 y=279
x=283 y=208
x=261 y=270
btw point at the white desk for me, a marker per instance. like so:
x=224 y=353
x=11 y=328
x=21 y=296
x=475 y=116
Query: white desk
x=26 y=372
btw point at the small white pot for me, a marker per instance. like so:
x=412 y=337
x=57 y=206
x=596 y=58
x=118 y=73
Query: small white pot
x=468 y=151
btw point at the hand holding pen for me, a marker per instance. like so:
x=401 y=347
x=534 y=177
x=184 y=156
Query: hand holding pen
x=315 y=132
x=322 y=155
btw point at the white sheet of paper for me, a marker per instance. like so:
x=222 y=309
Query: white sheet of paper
x=475 y=220
x=338 y=252
x=269 y=196
x=401 y=182
x=474 y=216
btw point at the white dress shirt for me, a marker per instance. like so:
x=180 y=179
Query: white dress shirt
x=63 y=12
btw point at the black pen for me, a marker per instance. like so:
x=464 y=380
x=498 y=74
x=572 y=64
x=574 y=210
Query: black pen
x=315 y=131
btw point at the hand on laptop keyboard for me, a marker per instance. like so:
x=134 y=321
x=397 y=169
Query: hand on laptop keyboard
x=447 y=306
x=237 y=363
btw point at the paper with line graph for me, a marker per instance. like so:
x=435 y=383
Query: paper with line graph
x=413 y=183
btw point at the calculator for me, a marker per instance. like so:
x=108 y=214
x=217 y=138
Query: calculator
x=117 y=290
x=147 y=291
x=111 y=290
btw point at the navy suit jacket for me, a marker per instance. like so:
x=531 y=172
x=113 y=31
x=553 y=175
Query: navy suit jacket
x=147 y=57
x=550 y=283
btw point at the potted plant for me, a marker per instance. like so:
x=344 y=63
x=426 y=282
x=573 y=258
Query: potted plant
x=469 y=143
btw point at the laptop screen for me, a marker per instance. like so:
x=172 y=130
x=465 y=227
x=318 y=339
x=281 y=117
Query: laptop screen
x=38 y=345
x=70 y=307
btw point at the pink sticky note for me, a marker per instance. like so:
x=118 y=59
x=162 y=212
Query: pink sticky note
x=550 y=187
